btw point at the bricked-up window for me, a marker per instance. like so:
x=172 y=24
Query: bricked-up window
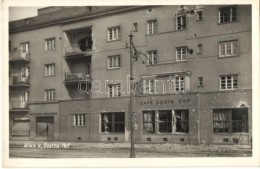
x=229 y=82
x=227 y=14
x=151 y=27
x=113 y=122
x=25 y=47
x=230 y=120
x=181 y=22
x=181 y=53
x=50 y=44
x=113 y=33
x=79 y=120
x=49 y=94
x=228 y=48
x=149 y=122
x=113 y=62
x=114 y=90
x=49 y=69
x=148 y=86
x=152 y=57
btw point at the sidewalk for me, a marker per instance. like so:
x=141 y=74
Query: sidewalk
x=239 y=150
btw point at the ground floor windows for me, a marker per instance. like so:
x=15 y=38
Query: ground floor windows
x=79 y=120
x=21 y=127
x=230 y=120
x=113 y=122
x=166 y=121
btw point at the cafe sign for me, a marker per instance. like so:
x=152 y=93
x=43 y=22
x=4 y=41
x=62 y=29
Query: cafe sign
x=165 y=101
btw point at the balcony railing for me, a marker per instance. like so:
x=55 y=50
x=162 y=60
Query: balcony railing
x=77 y=50
x=75 y=77
x=18 y=80
x=17 y=55
x=18 y=105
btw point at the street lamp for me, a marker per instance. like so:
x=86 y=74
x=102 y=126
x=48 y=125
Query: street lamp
x=132 y=153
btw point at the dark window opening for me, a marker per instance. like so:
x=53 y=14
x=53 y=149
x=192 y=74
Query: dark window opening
x=165 y=121
x=225 y=140
x=113 y=122
x=149 y=122
x=227 y=14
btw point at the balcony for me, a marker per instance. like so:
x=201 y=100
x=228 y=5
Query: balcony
x=77 y=51
x=74 y=78
x=18 y=56
x=18 y=81
x=18 y=106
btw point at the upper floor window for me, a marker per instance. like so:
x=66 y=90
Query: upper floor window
x=79 y=120
x=199 y=48
x=199 y=18
x=50 y=44
x=25 y=47
x=49 y=94
x=113 y=122
x=113 y=62
x=24 y=96
x=151 y=27
x=114 y=90
x=228 y=82
x=200 y=81
x=179 y=84
x=181 y=53
x=148 y=86
x=181 y=22
x=24 y=72
x=49 y=69
x=227 y=14
x=228 y=48
x=152 y=57
x=113 y=33
x=135 y=28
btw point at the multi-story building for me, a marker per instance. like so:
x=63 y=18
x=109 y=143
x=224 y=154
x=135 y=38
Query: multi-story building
x=69 y=74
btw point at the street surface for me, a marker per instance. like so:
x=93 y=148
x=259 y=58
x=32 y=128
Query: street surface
x=40 y=149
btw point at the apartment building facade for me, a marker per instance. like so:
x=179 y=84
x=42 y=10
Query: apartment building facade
x=193 y=82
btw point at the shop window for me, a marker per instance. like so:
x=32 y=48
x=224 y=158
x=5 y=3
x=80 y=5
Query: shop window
x=229 y=82
x=230 y=120
x=151 y=27
x=181 y=22
x=227 y=14
x=79 y=120
x=21 y=127
x=113 y=33
x=170 y=121
x=228 y=48
x=152 y=57
x=113 y=122
x=165 y=121
x=181 y=53
x=149 y=122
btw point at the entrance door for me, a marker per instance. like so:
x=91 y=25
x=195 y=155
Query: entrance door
x=44 y=128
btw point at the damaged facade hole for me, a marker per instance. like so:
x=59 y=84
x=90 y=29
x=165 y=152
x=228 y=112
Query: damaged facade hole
x=79 y=138
x=148 y=139
x=116 y=138
x=165 y=139
x=182 y=140
x=109 y=138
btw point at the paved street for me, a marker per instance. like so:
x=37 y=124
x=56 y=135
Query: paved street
x=29 y=149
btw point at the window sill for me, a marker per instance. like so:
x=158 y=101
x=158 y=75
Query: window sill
x=176 y=133
x=49 y=75
x=231 y=134
x=113 y=40
x=181 y=61
x=116 y=68
x=79 y=126
x=152 y=34
x=230 y=56
x=111 y=133
x=50 y=50
x=227 y=22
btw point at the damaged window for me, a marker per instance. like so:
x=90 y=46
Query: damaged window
x=169 y=121
x=113 y=122
x=148 y=122
x=230 y=120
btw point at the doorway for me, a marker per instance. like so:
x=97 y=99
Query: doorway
x=45 y=128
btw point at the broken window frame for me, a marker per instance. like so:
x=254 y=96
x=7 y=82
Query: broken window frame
x=229 y=82
x=228 y=14
x=181 y=22
x=148 y=121
x=234 y=117
x=112 y=122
